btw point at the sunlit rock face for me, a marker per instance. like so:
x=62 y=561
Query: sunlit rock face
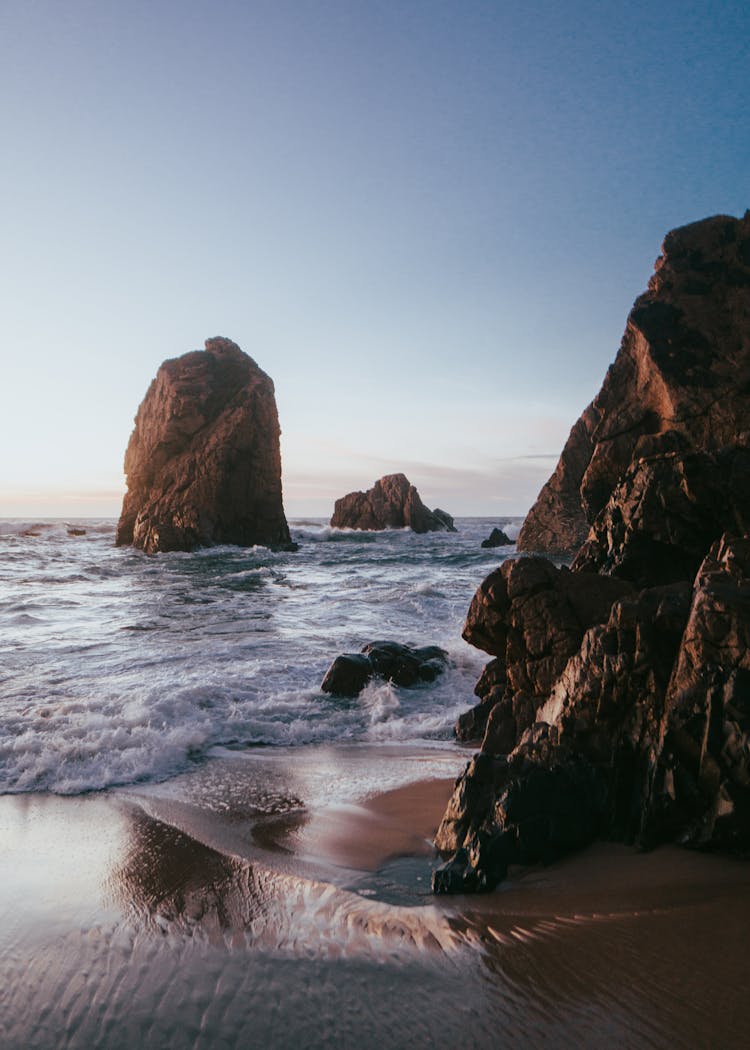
x=678 y=384
x=203 y=463
x=618 y=702
x=392 y=503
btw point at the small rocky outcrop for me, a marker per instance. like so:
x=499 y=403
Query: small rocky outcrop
x=392 y=503
x=401 y=664
x=626 y=713
x=497 y=538
x=682 y=376
x=203 y=464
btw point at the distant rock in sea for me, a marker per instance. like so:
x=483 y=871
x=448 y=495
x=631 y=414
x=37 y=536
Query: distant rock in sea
x=497 y=538
x=617 y=704
x=678 y=384
x=203 y=464
x=392 y=503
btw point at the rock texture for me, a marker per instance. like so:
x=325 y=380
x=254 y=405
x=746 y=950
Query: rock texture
x=618 y=700
x=203 y=464
x=681 y=378
x=401 y=664
x=497 y=538
x=392 y=503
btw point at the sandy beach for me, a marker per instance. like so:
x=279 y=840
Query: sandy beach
x=204 y=913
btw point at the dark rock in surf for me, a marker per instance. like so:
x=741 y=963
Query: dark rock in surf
x=446 y=518
x=392 y=503
x=348 y=675
x=497 y=538
x=203 y=463
x=532 y=616
x=401 y=664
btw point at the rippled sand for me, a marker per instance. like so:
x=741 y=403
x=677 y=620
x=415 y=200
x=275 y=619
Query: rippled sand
x=252 y=904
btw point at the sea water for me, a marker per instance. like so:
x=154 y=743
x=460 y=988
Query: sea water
x=186 y=905
x=118 y=667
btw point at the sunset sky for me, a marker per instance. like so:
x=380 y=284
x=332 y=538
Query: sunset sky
x=427 y=221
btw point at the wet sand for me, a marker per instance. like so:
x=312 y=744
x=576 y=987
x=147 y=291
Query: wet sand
x=251 y=905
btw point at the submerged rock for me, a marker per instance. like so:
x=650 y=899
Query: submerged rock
x=392 y=503
x=497 y=538
x=401 y=664
x=203 y=464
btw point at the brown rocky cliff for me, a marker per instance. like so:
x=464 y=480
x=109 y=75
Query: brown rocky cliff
x=683 y=367
x=626 y=715
x=203 y=463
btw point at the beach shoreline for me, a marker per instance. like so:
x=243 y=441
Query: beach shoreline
x=155 y=916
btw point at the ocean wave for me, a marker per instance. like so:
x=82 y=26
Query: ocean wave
x=134 y=667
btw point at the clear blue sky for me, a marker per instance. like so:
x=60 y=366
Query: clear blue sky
x=426 y=221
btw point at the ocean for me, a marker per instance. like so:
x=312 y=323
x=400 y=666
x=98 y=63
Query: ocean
x=199 y=850
x=118 y=668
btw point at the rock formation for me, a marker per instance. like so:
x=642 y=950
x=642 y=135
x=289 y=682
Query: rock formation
x=679 y=382
x=392 y=503
x=392 y=661
x=203 y=464
x=497 y=538
x=618 y=700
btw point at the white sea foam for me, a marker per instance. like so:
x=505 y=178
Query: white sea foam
x=117 y=667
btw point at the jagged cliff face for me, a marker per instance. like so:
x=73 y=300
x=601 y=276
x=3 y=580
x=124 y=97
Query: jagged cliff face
x=203 y=464
x=618 y=700
x=680 y=381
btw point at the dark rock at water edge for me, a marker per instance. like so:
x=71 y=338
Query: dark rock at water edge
x=652 y=713
x=497 y=538
x=625 y=713
x=203 y=463
x=348 y=675
x=446 y=518
x=392 y=503
x=392 y=661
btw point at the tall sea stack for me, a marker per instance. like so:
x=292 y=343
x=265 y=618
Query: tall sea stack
x=203 y=463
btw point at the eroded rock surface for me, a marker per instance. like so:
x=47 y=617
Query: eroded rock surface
x=683 y=369
x=203 y=464
x=532 y=615
x=645 y=737
x=627 y=714
x=392 y=503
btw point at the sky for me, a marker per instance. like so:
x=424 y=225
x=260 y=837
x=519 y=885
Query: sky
x=426 y=220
